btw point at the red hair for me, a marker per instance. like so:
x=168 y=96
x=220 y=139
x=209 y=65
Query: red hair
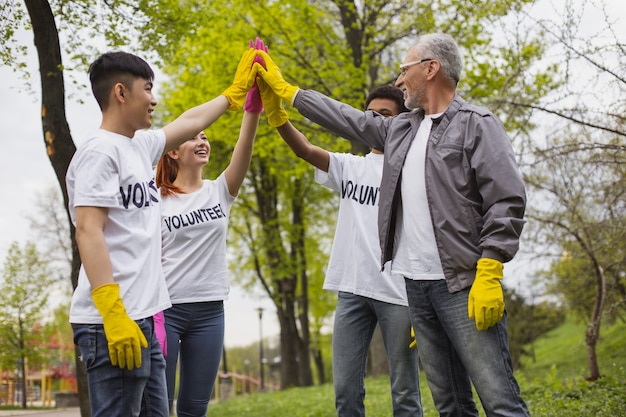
x=167 y=170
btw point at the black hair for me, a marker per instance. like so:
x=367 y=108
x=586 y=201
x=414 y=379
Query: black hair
x=390 y=92
x=113 y=67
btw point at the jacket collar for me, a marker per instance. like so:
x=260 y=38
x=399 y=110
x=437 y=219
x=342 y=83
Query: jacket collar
x=440 y=124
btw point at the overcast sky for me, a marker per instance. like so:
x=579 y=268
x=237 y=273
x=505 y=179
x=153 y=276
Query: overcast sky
x=25 y=171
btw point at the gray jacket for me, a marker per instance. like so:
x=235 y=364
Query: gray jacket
x=475 y=192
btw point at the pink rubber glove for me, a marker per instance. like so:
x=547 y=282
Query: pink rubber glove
x=253 y=103
x=159 y=330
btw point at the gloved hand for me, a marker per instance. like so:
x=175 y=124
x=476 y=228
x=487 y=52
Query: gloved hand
x=413 y=342
x=276 y=114
x=274 y=79
x=244 y=78
x=486 y=299
x=159 y=331
x=254 y=104
x=124 y=335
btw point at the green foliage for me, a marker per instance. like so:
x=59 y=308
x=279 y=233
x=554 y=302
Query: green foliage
x=553 y=397
x=564 y=349
x=25 y=290
x=528 y=322
x=11 y=20
x=282 y=223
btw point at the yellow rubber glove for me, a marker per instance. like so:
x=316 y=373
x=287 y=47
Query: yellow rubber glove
x=243 y=81
x=486 y=300
x=274 y=78
x=413 y=342
x=124 y=335
x=276 y=114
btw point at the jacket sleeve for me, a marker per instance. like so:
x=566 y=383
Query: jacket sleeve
x=500 y=186
x=367 y=127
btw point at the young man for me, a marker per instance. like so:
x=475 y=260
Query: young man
x=366 y=296
x=451 y=212
x=114 y=205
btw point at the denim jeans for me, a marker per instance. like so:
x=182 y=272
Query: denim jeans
x=196 y=331
x=454 y=352
x=117 y=392
x=355 y=320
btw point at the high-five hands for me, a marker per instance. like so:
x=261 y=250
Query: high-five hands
x=274 y=79
x=486 y=300
x=254 y=104
x=270 y=85
x=244 y=79
x=276 y=114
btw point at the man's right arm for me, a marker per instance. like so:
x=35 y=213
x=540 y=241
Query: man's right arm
x=94 y=253
x=366 y=127
x=125 y=338
x=299 y=144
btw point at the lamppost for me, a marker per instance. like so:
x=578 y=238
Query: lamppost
x=246 y=364
x=262 y=386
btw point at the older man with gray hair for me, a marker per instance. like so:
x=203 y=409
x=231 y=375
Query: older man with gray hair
x=451 y=213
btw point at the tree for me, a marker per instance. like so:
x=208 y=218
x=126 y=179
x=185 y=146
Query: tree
x=341 y=48
x=574 y=166
x=25 y=290
x=75 y=20
x=581 y=209
x=51 y=231
x=588 y=44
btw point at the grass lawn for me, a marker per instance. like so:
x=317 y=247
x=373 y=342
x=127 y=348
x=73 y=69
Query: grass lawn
x=553 y=385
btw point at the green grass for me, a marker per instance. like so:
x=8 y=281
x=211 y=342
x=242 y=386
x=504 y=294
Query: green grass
x=553 y=385
x=317 y=401
x=564 y=349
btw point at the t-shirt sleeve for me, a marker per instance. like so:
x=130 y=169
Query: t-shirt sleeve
x=152 y=142
x=223 y=190
x=332 y=178
x=96 y=180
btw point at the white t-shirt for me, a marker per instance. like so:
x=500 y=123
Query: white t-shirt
x=354 y=264
x=415 y=254
x=193 y=230
x=113 y=171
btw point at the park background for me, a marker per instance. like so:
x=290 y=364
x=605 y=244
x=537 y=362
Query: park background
x=544 y=67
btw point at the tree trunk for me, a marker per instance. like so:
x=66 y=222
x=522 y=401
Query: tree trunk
x=23 y=372
x=299 y=254
x=318 y=359
x=283 y=285
x=289 y=372
x=56 y=132
x=593 y=329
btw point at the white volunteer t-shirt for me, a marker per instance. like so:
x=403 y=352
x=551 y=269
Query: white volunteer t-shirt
x=113 y=171
x=193 y=230
x=415 y=249
x=354 y=264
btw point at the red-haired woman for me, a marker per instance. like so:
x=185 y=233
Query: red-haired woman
x=194 y=225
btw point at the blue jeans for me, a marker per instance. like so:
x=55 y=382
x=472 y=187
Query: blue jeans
x=454 y=352
x=355 y=320
x=196 y=330
x=117 y=392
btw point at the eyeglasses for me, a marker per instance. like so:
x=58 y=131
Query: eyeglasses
x=405 y=67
